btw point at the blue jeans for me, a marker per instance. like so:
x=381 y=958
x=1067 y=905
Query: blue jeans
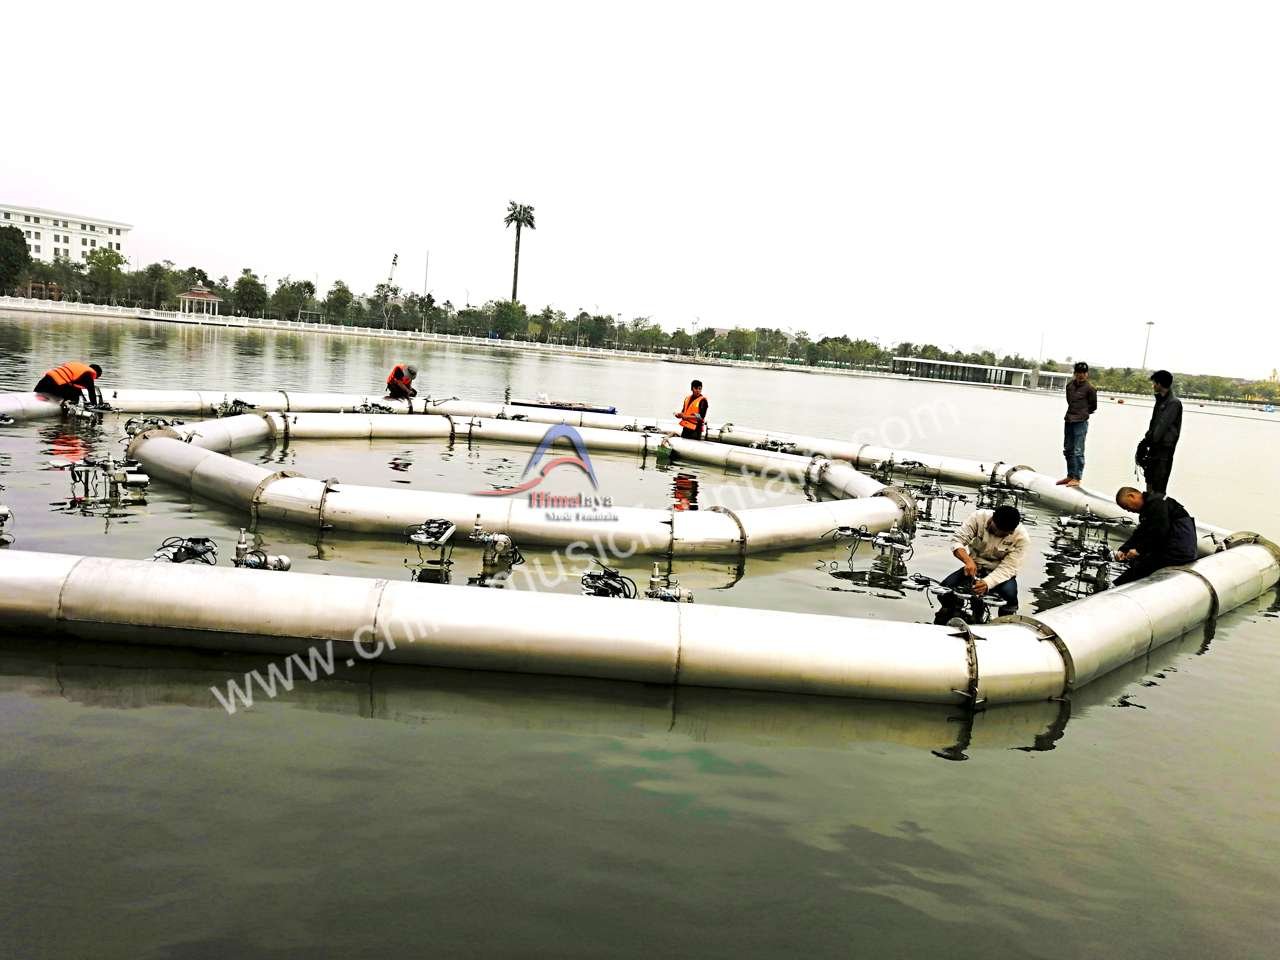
x=949 y=607
x=1073 y=435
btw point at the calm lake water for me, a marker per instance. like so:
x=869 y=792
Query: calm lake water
x=409 y=812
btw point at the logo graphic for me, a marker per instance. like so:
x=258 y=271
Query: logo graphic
x=581 y=460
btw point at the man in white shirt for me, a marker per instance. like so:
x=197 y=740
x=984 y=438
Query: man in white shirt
x=990 y=545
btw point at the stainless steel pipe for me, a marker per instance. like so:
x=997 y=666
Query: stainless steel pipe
x=454 y=626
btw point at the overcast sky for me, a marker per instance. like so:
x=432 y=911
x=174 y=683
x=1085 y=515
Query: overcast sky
x=971 y=174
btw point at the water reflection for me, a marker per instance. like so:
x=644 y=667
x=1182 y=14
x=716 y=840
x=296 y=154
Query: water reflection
x=684 y=492
x=885 y=577
x=114 y=676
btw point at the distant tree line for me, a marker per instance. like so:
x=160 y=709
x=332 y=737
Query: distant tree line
x=101 y=278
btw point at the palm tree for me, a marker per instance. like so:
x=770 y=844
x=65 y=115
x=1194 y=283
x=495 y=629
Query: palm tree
x=521 y=214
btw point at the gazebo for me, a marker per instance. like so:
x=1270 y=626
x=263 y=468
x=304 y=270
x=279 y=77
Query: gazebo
x=199 y=299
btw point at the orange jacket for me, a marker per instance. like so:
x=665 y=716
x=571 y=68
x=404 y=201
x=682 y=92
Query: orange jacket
x=692 y=411
x=70 y=372
x=399 y=375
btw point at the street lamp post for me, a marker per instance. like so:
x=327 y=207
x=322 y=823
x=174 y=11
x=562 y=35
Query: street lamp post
x=1147 y=345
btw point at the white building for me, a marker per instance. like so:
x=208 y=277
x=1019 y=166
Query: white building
x=920 y=368
x=70 y=236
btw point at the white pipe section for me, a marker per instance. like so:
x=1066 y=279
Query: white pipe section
x=453 y=626
x=33 y=406
x=201 y=465
x=766 y=528
x=972 y=472
x=959 y=469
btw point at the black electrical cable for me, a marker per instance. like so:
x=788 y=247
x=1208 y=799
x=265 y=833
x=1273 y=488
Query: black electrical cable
x=185 y=549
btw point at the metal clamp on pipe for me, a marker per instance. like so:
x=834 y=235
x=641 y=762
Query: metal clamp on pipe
x=1215 y=605
x=1243 y=537
x=1012 y=470
x=143 y=425
x=255 y=501
x=1049 y=635
x=970 y=693
x=742 y=530
x=906 y=503
x=151 y=433
x=822 y=465
x=330 y=485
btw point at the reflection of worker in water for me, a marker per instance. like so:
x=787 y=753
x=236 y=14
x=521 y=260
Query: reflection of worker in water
x=69 y=380
x=693 y=416
x=685 y=488
x=400 y=382
x=69 y=447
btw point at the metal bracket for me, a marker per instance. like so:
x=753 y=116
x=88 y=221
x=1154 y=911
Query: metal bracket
x=1048 y=634
x=285 y=394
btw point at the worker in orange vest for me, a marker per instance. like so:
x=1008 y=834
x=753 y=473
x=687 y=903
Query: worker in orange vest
x=400 y=382
x=69 y=380
x=693 y=416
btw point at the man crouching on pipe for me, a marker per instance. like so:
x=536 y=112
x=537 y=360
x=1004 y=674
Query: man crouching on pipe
x=1166 y=534
x=991 y=545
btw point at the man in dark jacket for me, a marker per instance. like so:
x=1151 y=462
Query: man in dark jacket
x=1155 y=452
x=1166 y=535
x=1082 y=400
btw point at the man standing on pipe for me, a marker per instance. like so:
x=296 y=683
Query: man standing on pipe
x=67 y=382
x=1155 y=451
x=991 y=545
x=693 y=415
x=1166 y=535
x=1082 y=400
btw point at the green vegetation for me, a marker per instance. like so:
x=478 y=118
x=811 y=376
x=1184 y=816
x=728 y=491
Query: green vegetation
x=15 y=259
x=101 y=279
x=520 y=214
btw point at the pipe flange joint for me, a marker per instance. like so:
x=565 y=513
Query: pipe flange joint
x=255 y=499
x=1244 y=537
x=154 y=433
x=742 y=531
x=816 y=470
x=1004 y=478
x=964 y=632
x=906 y=502
x=1048 y=635
x=1215 y=603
